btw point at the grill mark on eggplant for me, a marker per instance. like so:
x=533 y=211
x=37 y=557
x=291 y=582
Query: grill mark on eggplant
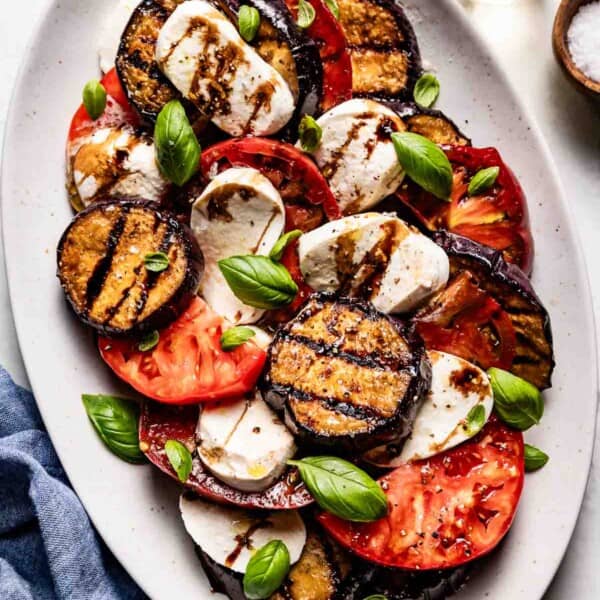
x=96 y=281
x=347 y=409
x=370 y=361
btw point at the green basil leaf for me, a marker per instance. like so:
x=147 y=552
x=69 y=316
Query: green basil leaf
x=156 y=262
x=475 y=419
x=483 y=180
x=180 y=458
x=425 y=163
x=177 y=149
x=342 y=489
x=517 y=402
x=306 y=14
x=376 y=597
x=266 y=570
x=236 y=336
x=282 y=243
x=149 y=341
x=258 y=281
x=332 y=5
x=534 y=458
x=310 y=134
x=94 y=99
x=116 y=422
x=427 y=90
x=248 y=22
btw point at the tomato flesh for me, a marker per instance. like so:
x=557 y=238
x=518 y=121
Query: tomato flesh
x=187 y=365
x=118 y=110
x=329 y=36
x=466 y=321
x=497 y=217
x=445 y=511
x=303 y=189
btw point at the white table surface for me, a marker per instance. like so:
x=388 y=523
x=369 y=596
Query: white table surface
x=519 y=31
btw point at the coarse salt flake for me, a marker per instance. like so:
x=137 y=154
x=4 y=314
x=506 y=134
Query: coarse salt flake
x=584 y=40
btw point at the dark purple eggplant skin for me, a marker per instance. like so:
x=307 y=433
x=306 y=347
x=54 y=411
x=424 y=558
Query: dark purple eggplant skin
x=309 y=68
x=394 y=429
x=177 y=303
x=408 y=110
x=396 y=584
x=501 y=279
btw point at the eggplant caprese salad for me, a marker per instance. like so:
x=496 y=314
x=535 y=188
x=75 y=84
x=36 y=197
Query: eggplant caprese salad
x=317 y=289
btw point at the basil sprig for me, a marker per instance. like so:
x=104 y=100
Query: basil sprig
x=248 y=22
x=156 y=262
x=266 y=570
x=180 y=458
x=177 y=149
x=149 y=341
x=282 y=243
x=332 y=5
x=424 y=162
x=517 y=402
x=342 y=489
x=306 y=14
x=475 y=419
x=116 y=422
x=236 y=336
x=94 y=99
x=483 y=180
x=259 y=281
x=310 y=134
x=534 y=458
x=427 y=90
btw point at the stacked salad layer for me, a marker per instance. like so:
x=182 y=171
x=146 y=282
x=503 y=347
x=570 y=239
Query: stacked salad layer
x=317 y=289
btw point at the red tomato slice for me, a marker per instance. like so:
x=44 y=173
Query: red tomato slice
x=335 y=56
x=118 y=110
x=466 y=321
x=445 y=511
x=496 y=218
x=188 y=365
x=303 y=189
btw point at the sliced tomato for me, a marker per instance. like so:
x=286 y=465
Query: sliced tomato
x=160 y=423
x=445 y=511
x=496 y=218
x=118 y=110
x=187 y=365
x=329 y=36
x=466 y=321
x=304 y=190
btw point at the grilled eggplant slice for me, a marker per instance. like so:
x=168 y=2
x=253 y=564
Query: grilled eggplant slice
x=396 y=584
x=316 y=576
x=346 y=375
x=486 y=268
x=279 y=42
x=386 y=61
x=160 y=423
x=430 y=123
x=102 y=270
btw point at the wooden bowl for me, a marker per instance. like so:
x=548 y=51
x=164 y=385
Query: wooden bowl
x=564 y=16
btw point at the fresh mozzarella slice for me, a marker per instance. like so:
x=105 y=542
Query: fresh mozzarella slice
x=457 y=386
x=261 y=337
x=244 y=443
x=110 y=33
x=356 y=154
x=205 y=58
x=230 y=536
x=239 y=212
x=374 y=256
x=117 y=162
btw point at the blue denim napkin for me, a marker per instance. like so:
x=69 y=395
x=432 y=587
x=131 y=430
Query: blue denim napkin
x=48 y=547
